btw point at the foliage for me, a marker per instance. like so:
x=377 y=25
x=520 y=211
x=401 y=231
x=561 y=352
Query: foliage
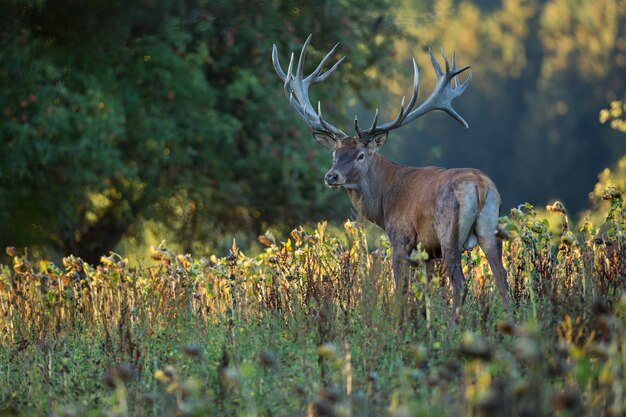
x=116 y=115
x=312 y=327
x=615 y=114
x=611 y=181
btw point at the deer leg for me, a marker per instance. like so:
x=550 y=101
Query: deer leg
x=400 y=271
x=402 y=245
x=452 y=260
x=430 y=269
x=486 y=226
x=447 y=225
x=399 y=275
x=492 y=248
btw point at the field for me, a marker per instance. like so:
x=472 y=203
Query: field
x=311 y=327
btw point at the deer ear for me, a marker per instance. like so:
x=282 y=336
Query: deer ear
x=326 y=140
x=377 y=141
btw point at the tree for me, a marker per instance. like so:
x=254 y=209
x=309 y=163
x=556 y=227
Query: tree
x=117 y=114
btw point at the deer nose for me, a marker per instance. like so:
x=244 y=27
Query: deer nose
x=331 y=178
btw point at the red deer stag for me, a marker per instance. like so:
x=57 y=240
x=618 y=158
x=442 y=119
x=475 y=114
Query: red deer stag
x=447 y=210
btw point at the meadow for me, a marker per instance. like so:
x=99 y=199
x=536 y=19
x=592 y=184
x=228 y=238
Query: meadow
x=311 y=327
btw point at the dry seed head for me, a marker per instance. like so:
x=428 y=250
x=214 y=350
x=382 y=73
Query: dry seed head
x=192 y=350
x=402 y=410
x=296 y=235
x=506 y=326
x=267 y=239
x=372 y=377
x=600 y=307
x=567 y=400
x=329 y=394
x=299 y=390
x=67 y=412
x=556 y=207
x=568 y=239
x=603 y=325
x=161 y=376
x=230 y=376
x=122 y=372
x=267 y=359
x=323 y=408
x=419 y=352
x=20 y=266
x=327 y=350
x=148 y=399
x=474 y=346
x=521 y=387
x=611 y=194
x=598 y=350
x=489 y=403
x=184 y=261
x=527 y=349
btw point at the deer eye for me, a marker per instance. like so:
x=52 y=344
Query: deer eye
x=360 y=157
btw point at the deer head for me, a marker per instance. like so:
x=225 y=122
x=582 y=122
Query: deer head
x=352 y=154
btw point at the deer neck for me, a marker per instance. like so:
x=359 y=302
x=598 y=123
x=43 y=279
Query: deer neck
x=367 y=196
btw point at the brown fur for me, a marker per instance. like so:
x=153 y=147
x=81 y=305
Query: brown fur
x=441 y=208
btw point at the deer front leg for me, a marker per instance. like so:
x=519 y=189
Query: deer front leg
x=401 y=249
x=402 y=245
x=399 y=266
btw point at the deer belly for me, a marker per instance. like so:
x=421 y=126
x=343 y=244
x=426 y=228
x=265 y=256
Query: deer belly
x=430 y=243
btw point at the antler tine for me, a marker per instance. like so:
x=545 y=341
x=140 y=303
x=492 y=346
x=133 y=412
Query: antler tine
x=288 y=79
x=324 y=123
x=399 y=120
x=413 y=100
x=356 y=126
x=374 y=122
x=297 y=89
x=435 y=63
x=301 y=59
x=447 y=88
x=315 y=76
x=456 y=78
x=329 y=71
x=445 y=60
x=277 y=66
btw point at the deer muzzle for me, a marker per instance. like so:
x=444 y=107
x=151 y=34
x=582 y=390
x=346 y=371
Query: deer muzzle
x=333 y=179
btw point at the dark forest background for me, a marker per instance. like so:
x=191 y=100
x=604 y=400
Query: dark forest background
x=135 y=121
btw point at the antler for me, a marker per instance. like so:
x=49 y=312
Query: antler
x=440 y=99
x=297 y=89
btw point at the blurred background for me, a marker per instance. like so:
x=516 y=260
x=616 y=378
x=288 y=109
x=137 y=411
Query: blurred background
x=124 y=123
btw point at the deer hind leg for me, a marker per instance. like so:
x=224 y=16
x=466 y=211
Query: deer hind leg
x=450 y=225
x=452 y=261
x=486 y=226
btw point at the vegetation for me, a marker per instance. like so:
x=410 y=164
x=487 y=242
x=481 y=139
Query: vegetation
x=121 y=121
x=118 y=116
x=312 y=327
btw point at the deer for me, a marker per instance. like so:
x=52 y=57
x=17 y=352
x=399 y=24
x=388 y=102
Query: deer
x=447 y=210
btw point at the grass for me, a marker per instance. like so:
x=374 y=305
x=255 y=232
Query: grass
x=311 y=327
